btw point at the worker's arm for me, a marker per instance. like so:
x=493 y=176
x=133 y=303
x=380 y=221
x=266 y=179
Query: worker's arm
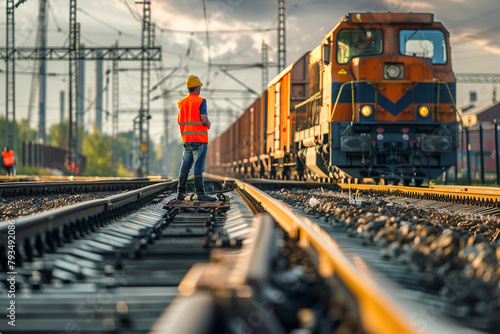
x=203 y=114
x=205 y=120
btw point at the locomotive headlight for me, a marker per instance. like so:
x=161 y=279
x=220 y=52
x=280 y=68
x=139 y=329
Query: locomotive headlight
x=366 y=111
x=424 y=111
x=393 y=71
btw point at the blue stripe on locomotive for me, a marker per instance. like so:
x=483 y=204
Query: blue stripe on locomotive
x=422 y=93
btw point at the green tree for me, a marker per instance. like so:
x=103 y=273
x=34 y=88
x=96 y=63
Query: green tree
x=58 y=136
x=97 y=149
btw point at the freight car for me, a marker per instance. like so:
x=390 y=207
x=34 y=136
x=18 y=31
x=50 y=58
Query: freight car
x=375 y=99
x=44 y=156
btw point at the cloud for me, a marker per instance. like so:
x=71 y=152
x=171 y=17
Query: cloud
x=408 y=5
x=483 y=43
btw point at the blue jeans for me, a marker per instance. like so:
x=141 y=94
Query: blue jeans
x=194 y=153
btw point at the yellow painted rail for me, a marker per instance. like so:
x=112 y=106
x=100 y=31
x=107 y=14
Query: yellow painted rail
x=379 y=312
x=488 y=196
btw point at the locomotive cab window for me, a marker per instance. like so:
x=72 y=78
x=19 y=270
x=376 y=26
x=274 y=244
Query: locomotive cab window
x=423 y=43
x=358 y=42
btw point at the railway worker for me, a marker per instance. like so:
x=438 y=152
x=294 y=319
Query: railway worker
x=8 y=160
x=194 y=123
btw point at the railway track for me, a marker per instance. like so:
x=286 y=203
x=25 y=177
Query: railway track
x=26 y=196
x=438 y=252
x=114 y=265
x=29 y=186
x=471 y=196
x=110 y=265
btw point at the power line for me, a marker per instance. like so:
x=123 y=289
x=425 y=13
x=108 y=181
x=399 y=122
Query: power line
x=59 y=29
x=120 y=33
x=240 y=31
x=49 y=74
x=208 y=39
x=134 y=14
x=472 y=19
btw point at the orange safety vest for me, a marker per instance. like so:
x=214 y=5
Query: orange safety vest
x=8 y=158
x=189 y=119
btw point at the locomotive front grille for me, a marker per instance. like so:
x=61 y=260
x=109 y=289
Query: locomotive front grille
x=436 y=144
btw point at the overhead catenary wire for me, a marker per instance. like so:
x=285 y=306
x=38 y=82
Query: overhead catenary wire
x=208 y=39
x=56 y=21
x=59 y=29
x=95 y=18
x=236 y=31
x=134 y=14
x=473 y=19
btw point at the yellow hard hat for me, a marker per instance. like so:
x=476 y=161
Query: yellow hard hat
x=193 y=81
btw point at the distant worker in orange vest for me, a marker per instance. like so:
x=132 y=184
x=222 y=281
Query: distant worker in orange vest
x=8 y=160
x=194 y=124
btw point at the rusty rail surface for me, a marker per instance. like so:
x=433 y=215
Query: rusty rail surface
x=481 y=196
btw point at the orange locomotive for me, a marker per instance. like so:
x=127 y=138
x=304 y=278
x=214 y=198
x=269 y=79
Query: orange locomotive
x=374 y=99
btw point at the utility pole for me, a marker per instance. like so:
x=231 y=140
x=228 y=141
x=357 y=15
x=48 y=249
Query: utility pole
x=81 y=87
x=39 y=76
x=98 y=95
x=265 y=65
x=165 y=151
x=165 y=95
x=144 y=116
x=136 y=141
x=10 y=83
x=10 y=87
x=61 y=106
x=116 y=105
x=42 y=95
x=281 y=35
x=72 y=163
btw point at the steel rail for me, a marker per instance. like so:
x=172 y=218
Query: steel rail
x=242 y=274
x=485 y=196
x=25 y=178
x=32 y=231
x=379 y=312
x=80 y=185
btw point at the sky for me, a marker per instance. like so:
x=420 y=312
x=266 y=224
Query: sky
x=236 y=31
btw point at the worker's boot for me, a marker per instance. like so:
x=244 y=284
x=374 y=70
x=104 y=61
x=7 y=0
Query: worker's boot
x=181 y=189
x=199 y=187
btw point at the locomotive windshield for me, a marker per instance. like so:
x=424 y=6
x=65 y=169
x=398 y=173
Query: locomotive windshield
x=358 y=42
x=423 y=43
